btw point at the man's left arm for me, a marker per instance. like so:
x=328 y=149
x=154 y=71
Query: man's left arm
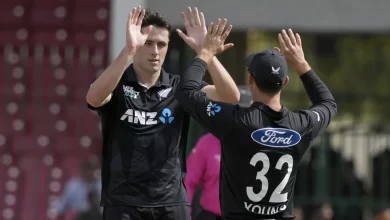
x=224 y=88
x=217 y=117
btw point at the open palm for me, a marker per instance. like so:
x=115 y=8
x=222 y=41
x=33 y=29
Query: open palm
x=195 y=28
x=214 y=41
x=134 y=37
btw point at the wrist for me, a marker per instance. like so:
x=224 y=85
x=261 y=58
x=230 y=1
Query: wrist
x=302 y=68
x=127 y=55
x=205 y=55
x=127 y=51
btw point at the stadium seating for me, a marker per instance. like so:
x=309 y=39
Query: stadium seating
x=50 y=52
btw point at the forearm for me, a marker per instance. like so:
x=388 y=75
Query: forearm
x=105 y=84
x=225 y=86
x=318 y=92
x=192 y=77
x=188 y=91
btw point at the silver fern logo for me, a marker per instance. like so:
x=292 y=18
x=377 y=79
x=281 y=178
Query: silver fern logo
x=275 y=71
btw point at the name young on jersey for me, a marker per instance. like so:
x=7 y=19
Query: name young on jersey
x=264 y=210
x=276 y=137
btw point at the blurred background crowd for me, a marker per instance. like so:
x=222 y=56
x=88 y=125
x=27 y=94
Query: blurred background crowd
x=50 y=143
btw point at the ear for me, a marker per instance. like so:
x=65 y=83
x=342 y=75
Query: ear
x=286 y=81
x=250 y=79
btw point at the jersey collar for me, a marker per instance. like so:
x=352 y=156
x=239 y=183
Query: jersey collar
x=269 y=111
x=164 y=77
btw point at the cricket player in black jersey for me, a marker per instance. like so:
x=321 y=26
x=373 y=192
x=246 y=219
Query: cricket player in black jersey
x=261 y=145
x=144 y=126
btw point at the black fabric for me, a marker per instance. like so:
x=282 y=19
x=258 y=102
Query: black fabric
x=261 y=147
x=146 y=213
x=144 y=141
x=206 y=215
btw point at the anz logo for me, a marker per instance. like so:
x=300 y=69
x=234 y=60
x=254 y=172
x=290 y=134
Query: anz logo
x=166 y=116
x=147 y=118
x=276 y=137
x=212 y=109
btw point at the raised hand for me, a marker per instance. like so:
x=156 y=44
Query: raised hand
x=214 y=42
x=136 y=38
x=291 y=47
x=195 y=28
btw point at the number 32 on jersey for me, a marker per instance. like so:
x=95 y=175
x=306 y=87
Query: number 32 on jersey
x=277 y=196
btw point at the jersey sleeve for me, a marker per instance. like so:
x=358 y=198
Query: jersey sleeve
x=203 y=84
x=317 y=118
x=109 y=105
x=216 y=117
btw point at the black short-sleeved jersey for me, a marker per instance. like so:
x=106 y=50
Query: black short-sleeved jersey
x=144 y=139
x=261 y=148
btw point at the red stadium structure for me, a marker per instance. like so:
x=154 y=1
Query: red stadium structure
x=51 y=51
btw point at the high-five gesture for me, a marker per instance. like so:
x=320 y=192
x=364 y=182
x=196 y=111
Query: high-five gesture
x=214 y=42
x=291 y=47
x=195 y=27
x=136 y=38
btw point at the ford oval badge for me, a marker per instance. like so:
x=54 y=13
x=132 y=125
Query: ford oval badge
x=276 y=137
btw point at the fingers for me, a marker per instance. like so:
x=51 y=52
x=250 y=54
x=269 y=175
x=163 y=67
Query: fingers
x=146 y=31
x=221 y=27
x=289 y=40
x=210 y=28
x=277 y=49
x=182 y=35
x=195 y=14
x=129 y=19
x=218 y=29
x=136 y=12
x=191 y=16
x=141 y=17
x=227 y=32
x=202 y=20
x=292 y=37
x=283 y=45
x=228 y=46
x=286 y=39
x=216 y=26
x=136 y=16
x=185 y=20
x=299 y=40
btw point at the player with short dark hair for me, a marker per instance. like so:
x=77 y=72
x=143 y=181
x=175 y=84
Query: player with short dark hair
x=143 y=126
x=263 y=144
x=154 y=18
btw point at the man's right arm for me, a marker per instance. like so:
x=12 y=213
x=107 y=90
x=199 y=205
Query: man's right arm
x=323 y=108
x=100 y=92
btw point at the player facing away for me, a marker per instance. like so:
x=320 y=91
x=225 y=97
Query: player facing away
x=261 y=145
x=144 y=127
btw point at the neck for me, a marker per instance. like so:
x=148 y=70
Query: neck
x=148 y=79
x=271 y=101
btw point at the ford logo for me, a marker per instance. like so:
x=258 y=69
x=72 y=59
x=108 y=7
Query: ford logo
x=276 y=137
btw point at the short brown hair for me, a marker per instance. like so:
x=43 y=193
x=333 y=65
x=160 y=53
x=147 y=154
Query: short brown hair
x=155 y=18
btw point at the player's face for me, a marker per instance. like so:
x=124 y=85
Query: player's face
x=151 y=56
